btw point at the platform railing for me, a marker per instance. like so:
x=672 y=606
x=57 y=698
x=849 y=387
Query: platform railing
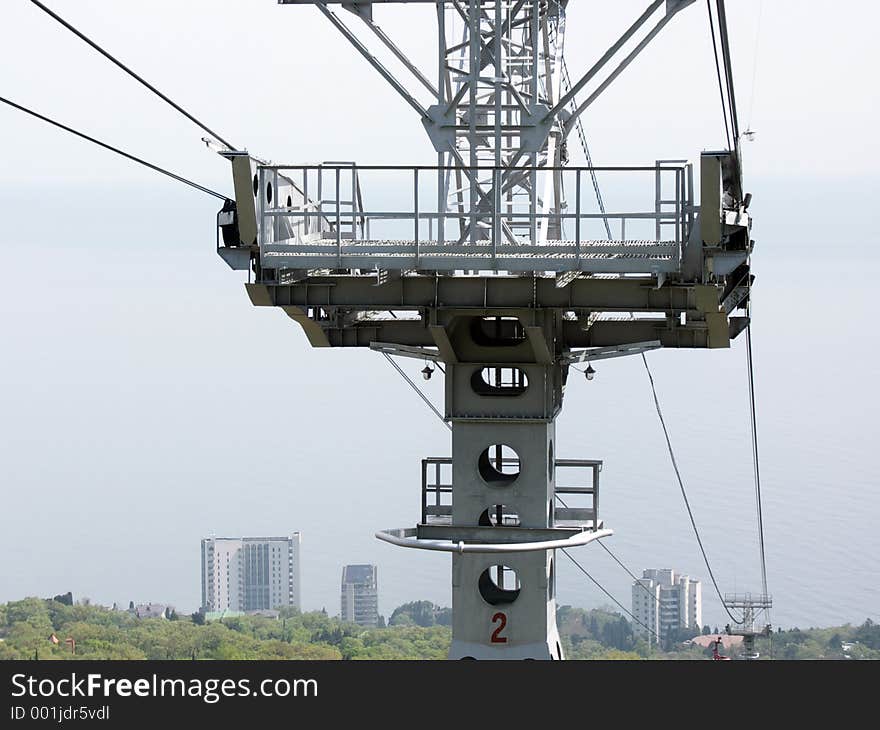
x=569 y=497
x=755 y=600
x=437 y=491
x=331 y=225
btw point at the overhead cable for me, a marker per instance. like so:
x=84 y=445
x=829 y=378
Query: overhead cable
x=728 y=69
x=721 y=84
x=684 y=492
x=131 y=73
x=602 y=588
x=586 y=148
x=757 y=466
x=644 y=359
x=628 y=571
x=755 y=65
x=734 y=115
x=118 y=151
x=618 y=561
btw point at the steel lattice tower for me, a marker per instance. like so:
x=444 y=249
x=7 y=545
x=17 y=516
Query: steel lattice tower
x=496 y=263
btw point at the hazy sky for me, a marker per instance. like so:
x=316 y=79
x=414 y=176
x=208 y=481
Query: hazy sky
x=144 y=403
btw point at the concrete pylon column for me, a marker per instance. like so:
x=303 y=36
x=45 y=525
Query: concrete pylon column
x=504 y=606
x=502 y=401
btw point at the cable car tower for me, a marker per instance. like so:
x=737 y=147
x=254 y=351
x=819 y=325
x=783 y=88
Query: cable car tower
x=753 y=608
x=498 y=266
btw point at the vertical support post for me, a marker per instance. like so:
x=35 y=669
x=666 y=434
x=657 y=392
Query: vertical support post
x=658 y=193
x=474 y=39
x=577 y=216
x=498 y=52
x=438 y=470
x=353 y=203
x=533 y=201
x=441 y=100
x=262 y=193
x=496 y=213
x=338 y=228
x=416 y=212
x=533 y=158
x=441 y=53
x=679 y=227
x=535 y=33
x=424 y=492
x=500 y=73
x=441 y=200
x=276 y=221
x=711 y=229
x=306 y=211
x=690 y=199
x=596 y=469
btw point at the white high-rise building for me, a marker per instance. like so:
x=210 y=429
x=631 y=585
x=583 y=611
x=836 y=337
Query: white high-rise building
x=664 y=601
x=250 y=573
x=360 y=595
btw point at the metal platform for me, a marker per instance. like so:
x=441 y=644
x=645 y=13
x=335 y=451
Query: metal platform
x=316 y=249
x=573 y=524
x=644 y=257
x=314 y=217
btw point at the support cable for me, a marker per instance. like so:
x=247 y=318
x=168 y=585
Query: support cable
x=731 y=90
x=734 y=121
x=684 y=492
x=728 y=70
x=601 y=588
x=718 y=71
x=628 y=571
x=617 y=560
x=586 y=149
x=417 y=390
x=118 y=151
x=131 y=73
x=722 y=20
x=583 y=141
x=757 y=468
x=755 y=66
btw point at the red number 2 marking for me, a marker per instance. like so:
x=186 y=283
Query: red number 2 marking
x=501 y=620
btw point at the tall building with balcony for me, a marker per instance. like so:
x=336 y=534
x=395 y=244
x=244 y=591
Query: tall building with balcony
x=250 y=573
x=663 y=602
x=360 y=595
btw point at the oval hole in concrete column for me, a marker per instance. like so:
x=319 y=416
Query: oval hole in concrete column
x=498 y=465
x=499 y=515
x=499 y=585
x=499 y=381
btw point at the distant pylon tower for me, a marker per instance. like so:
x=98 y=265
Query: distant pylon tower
x=496 y=265
x=755 y=610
